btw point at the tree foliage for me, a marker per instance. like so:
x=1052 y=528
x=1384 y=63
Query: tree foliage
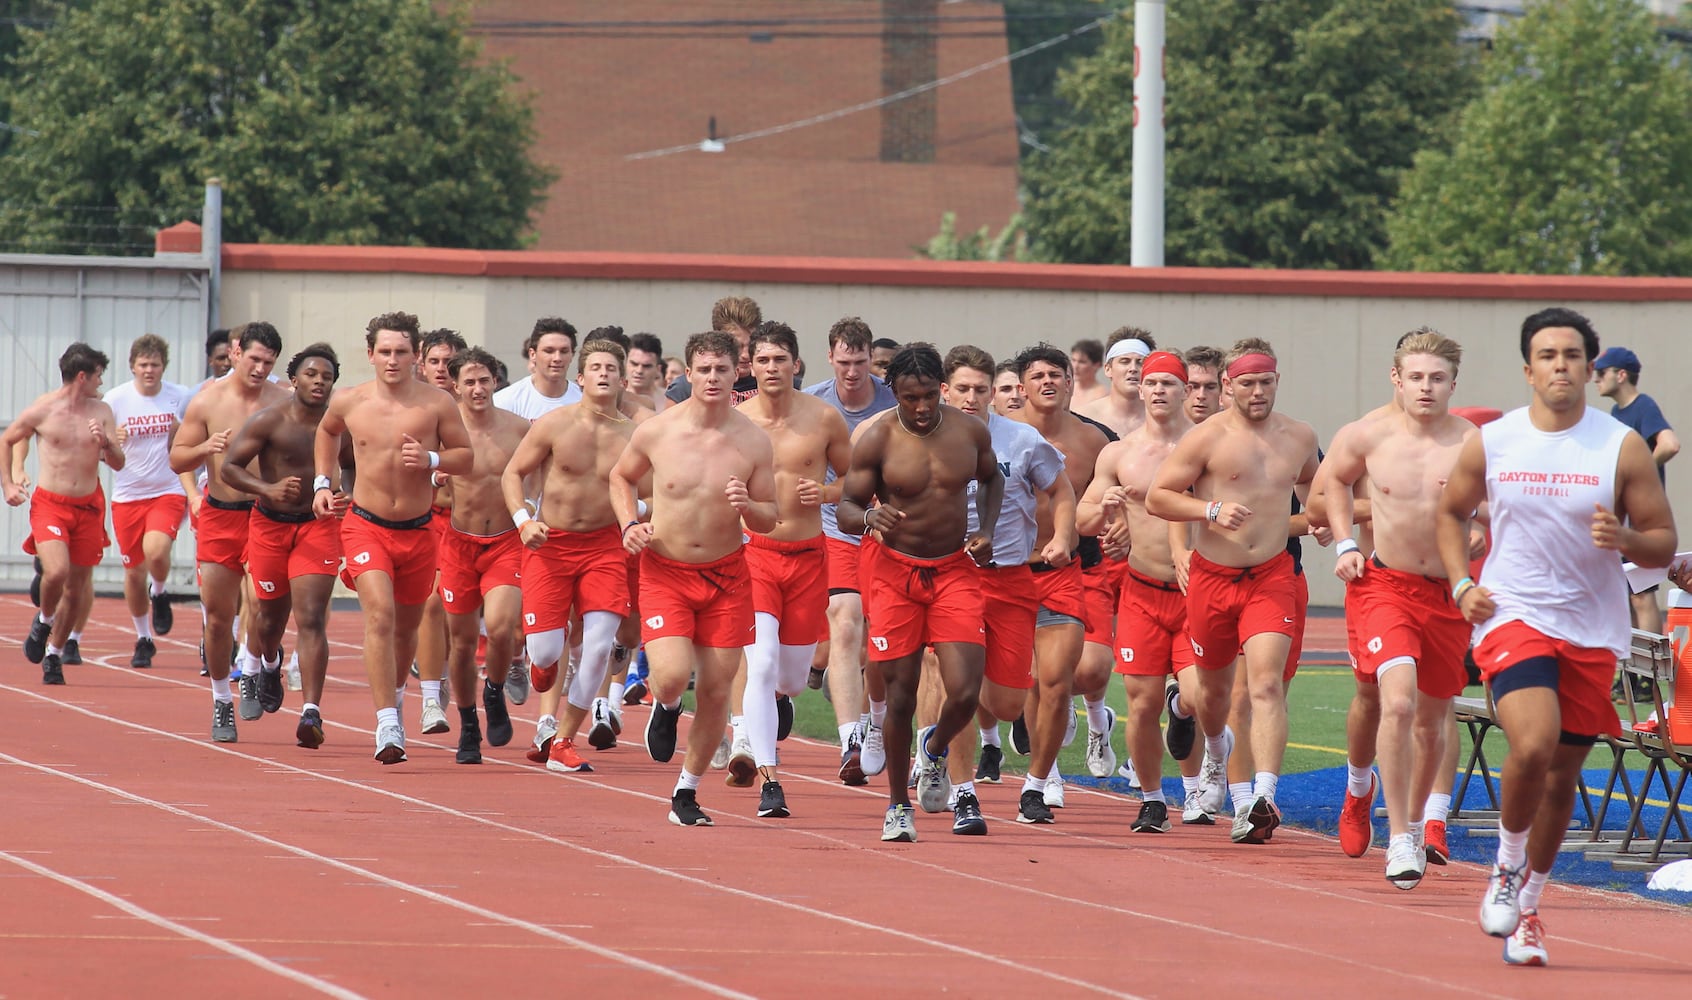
x=328 y=121
x=1576 y=159
x=1288 y=127
x=947 y=244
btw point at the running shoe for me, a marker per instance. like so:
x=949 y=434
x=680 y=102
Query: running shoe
x=967 y=820
x=1031 y=808
x=1127 y=773
x=204 y=671
x=270 y=689
x=899 y=825
x=1069 y=729
x=1193 y=812
x=1500 y=911
x=1405 y=862
x=720 y=759
x=1180 y=735
x=934 y=787
x=1527 y=945
x=251 y=706
x=874 y=750
x=742 y=766
x=1101 y=756
x=223 y=721
x=1019 y=735
x=852 y=762
x=72 y=656
x=1213 y=776
x=545 y=732
x=772 y=804
x=163 y=617
x=1153 y=818
x=35 y=585
x=309 y=732
x=1434 y=843
x=1054 y=790
x=291 y=672
x=52 y=670
x=517 y=686
x=1241 y=830
x=633 y=694
x=661 y=733
x=784 y=717
x=35 y=644
x=390 y=744
x=499 y=716
x=565 y=759
x=433 y=720
x=1356 y=825
x=1264 y=817
x=685 y=811
x=992 y=760
x=469 y=738
x=607 y=725
x=145 y=650
x=815 y=679
x=542 y=678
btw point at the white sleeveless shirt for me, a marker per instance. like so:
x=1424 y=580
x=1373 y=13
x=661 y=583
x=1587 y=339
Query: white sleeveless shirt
x=1543 y=569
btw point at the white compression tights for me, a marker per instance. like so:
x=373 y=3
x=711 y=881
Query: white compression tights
x=771 y=669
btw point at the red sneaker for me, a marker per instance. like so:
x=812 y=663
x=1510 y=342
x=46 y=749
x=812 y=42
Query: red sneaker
x=542 y=678
x=1356 y=825
x=565 y=758
x=1433 y=836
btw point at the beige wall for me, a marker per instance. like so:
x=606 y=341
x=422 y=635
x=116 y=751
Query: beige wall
x=1335 y=345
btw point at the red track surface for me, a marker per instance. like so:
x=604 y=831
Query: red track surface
x=131 y=845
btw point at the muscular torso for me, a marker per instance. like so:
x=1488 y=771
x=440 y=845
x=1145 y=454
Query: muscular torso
x=928 y=478
x=692 y=520
x=69 y=456
x=377 y=425
x=477 y=501
x=1406 y=474
x=287 y=452
x=576 y=493
x=1256 y=465
x=800 y=440
x=1139 y=456
x=223 y=406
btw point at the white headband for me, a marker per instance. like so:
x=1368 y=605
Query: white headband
x=1128 y=346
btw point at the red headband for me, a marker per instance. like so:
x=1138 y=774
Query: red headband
x=1250 y=364
x=1165 y=363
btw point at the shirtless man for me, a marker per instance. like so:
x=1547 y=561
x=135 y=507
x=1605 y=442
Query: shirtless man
x=1086 y=359
x=67 y=511
x=292 y=555
x=1151 y=641
x=401 y=431
x=214 y=415
x=1204 y=383
x=1571 y=493
x=1412 y=637
x=923 y=588
x=788 y=565
x=712 y=470
x=1242 y=464
x=1059 y=585
x=646 y=371
x=1120 y=409
x=573 y=554
x=438 y=348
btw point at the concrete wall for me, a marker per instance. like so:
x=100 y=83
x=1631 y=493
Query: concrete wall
x=1334 y=332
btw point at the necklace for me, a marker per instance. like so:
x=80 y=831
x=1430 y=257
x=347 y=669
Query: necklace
x=939 y=416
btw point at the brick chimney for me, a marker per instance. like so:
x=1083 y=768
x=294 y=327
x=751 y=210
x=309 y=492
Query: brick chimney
x=910 y=57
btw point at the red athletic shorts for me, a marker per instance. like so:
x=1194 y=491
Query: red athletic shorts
x=405 y=550
x=632 y=561
x=441 y=521
x=1151 y=633
x=913 y=602
x=281 y=547
x=842 y=566
x=220 y=532
x=1353 y=641
x=1104 y=594
x=790 y=581
x=133 y=519
x=473 y=565
x=79 y=522
x=1409 y=616
x=585 y=570
x=1227 y=605
x=1009 y=617
x=1583 y=677
x=1296 y=650
x=710 y=603
x=1062 y=591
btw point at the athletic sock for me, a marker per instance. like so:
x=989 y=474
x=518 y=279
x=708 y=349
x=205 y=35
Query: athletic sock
x=399 y=702
x=551 y=720
x=990 y=735
x=1152 y=795
x=143 y=627
x=271 y=666
x=960 y=789
x=387 y=717
x=432 y=689
x=864 y=722
x=1189 y=785
x=1265 y=784
x=1175 y=707
x=53 y=650
x=246 y=661
x=1418 y=829
x=687 y=781
x=1056 y=776
x=673 y=706
x=45 y=618
x=877 y=713
x=1097 y=716
x=74 y=636
x=847 y=731
x=616 y=693
x=1438 y=807
x=310 y=706
x=738 y=724
x=1240 y=793
x=1528 y=897
x=156 y=588
x=1512 y=847
x=1358 y=780
x=221 y=691
x=1216 y=746
x=1034 y=783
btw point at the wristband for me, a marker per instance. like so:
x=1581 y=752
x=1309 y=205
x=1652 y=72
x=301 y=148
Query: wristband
x=521 y=516
x=1215 y=511
x=321 y=483
x=1346 y=546
x=1462 y=587
x=626 y=527
x=640 y=507
x=434 y=460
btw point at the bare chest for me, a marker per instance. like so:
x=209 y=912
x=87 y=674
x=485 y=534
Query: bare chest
x=912 y=467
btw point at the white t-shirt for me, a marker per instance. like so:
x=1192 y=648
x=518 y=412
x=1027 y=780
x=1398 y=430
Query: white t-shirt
x=1030 y=465
x=525 y=400
x=146 y=451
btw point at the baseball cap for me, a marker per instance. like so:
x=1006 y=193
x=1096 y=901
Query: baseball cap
x=1617 y=357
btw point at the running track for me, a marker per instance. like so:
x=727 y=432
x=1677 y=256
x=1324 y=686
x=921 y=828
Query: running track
x=141 y=860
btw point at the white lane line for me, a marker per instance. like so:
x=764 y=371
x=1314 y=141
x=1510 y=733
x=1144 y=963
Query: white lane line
x=165 y=923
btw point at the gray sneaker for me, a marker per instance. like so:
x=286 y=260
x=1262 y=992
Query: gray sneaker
x=251 y=706
x=899 y=825
x=934 y=787
x=223 y=721
x=434 y=718
x=390 y=744
x=517 y=687
x=873 y=753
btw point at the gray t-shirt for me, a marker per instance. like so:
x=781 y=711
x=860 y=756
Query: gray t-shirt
x=1030 y=464
x=882 y=400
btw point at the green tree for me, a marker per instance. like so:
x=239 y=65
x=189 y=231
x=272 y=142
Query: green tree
x=1010 y=244
x=1576 y=159
x=1289 y=125
x=328 y=121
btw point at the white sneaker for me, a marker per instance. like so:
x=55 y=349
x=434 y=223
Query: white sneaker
x=742 y=764
x=934 y=785
x=1213 y=776
x=1194 y=812
x=899 y=825
x=1500 y=912
x=720 y=759
x=1527 y=945
x=1405 y=861
x=1241 y=831
x=434 y=719
x=1101 y=756
x=605 y=728
x=1054 y=790
x=291 y=672
x=1069 y=730
x=546 y=730
x=873 y=751
x=390 y=744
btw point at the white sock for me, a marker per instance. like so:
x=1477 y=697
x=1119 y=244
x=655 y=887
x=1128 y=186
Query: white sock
x=957 y=790
x=990 y=735
x=1240 y=793
x=617 y=689
x=1189 y=784
x=1512 y=847
x=310 y=706
x=74 y=636
x=1359 y=781
x=45 y=618
x=1265 y=784
x=1216 y=746
x=399 y=700
x=271 y=666
x=431 y=689
x=387 y=717
x=1152 y=795
x=1528 y=897
x=847 y=731
x=687 y=781
x=877 y=713
x=143 y=627
x=53 y=650
x=156 y=588
x=1097 y=715
x=221 y=691
x=1034 y=782
x=1438 y=807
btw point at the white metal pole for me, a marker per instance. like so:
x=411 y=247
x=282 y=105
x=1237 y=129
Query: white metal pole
x=1146 y=233
x=211 y=244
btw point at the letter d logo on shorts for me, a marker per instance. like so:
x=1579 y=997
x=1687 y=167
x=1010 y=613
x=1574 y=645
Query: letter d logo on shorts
x=879 y=642
x=1197 y=649
x=655 y=622
x=361 y=558
x=267 y=586
x=1375 y=644
x=529 y=619
x=446 y=595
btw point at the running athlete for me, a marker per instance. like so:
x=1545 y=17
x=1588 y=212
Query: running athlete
x=401 y=431
x=437 y=350
x=1008 y=396
x=550 y=347
x=1568 y=488
x=1086 y=359
x=1121 y=408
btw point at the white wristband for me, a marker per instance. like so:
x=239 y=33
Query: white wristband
x=321 y=483
x=521 y=516
x=1345 y=546
x=640 y=507
x=434 y=460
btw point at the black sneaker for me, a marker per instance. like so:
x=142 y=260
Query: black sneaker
x=684 y=804
x=52 y=670
x=470 y=733
x=499 y=716
x=309 y=733
x=270 y=688
x=1181 y=733
x=145 y=649
x=35 y=644
x=250 y=706
x=816 y=678
x=1153 y=818
x=966 y=817
x=35 y=584
x=988 y=769
x=223 y=721
x=784 y=717
x=1019 y=736
x=661 y=740
x=1032 y=808
x=72 y=655
x=163 y=617
x=771 y=801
